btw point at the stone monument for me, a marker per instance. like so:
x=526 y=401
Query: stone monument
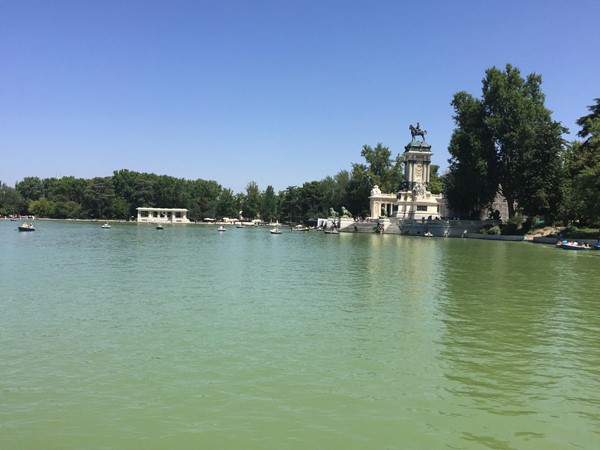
x=413 y=200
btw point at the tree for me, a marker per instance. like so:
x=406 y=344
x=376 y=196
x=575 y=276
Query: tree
x=582 y=163
x=268 y=210
x=65 y=189
x=31 y=188
x=42 y=207
x=311 y=201
x=119 y=208
x=290 y=208
x=142 y=193
x=11 y=201
x=471 y=182
x=252 y=201
x=203 y=198
x=99 y=196
x=358 y=190
x=590 y=126
x=384 y=172
x=67 y=210
x=506 y=142
x=227 y=206
x=435 y=180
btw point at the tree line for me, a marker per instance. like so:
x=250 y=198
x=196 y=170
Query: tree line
x=118 y=196
x=505 y=142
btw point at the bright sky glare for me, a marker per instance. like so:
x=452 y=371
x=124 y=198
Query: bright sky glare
x=279 y=92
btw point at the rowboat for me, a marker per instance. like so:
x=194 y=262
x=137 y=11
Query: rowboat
x=573 y=245
x=26 y=227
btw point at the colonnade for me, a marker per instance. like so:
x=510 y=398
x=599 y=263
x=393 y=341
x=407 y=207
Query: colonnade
x=171 y=215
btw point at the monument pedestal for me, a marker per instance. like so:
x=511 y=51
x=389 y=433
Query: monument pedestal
x=413 y=201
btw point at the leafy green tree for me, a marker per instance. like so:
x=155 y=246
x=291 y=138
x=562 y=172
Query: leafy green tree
x=99 y=195
x=67 y=210
x=31 y=188
x=42 y=207
x=290 y=208
x=582 y=162
x=507 y=140
x=125 y=184
x=169 y=192
x=435 y=180
x=119 y=208
x=358 y=190
x=383 y=171
x=341 y=180
x=143 y=192
x=65 y=189
x=471 y=182
x=268 y=210
x=590 y=126
x=227 y=205
x=203 y=198
x=310 y=200
x=11 y=201
x=252 y=201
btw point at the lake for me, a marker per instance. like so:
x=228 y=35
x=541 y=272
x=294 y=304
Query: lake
x=187 y=338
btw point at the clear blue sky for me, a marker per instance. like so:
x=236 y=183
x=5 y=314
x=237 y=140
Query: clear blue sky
x=279 y=92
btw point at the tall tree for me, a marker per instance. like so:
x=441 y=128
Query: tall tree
x=42 y=207
x=311 y=201
x=506 y=140
x=435 y=180
x=31 y=188
x=99 y=196
x=290 y=209
x=65 y=189
x=252 y=201
x=268 y=210
x=203 y=198
x=358 y=190
x=11 y=201
x=471 y=182
x=226 y=206
x=383 y=171
x=583 y=165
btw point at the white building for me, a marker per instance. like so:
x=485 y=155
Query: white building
x=162 y=215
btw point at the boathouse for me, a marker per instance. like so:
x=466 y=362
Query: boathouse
x=162 y=215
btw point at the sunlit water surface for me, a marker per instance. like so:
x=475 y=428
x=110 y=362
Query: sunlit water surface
x=134 y=338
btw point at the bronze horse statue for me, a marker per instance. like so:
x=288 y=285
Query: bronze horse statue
x=417 y=132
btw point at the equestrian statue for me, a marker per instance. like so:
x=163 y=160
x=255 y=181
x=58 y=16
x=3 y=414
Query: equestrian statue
x=416 y=131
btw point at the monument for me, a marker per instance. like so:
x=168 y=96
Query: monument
x=413 y=200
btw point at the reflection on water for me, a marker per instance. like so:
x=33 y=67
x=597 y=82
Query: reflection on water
x=520 y=322
x=188 y=338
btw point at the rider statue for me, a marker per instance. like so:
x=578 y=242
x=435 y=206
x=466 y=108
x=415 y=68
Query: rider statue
x=416 y=131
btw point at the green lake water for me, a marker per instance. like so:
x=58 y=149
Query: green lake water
x=187 y=338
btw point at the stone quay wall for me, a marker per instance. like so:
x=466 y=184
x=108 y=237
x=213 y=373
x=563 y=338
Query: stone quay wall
x=411 y=227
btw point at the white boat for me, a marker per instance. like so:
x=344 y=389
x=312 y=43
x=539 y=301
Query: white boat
x=106 y=225
x=275 y=230
x=428 y=234
x=221 y=228
x=300 y=228
x=159 y=227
